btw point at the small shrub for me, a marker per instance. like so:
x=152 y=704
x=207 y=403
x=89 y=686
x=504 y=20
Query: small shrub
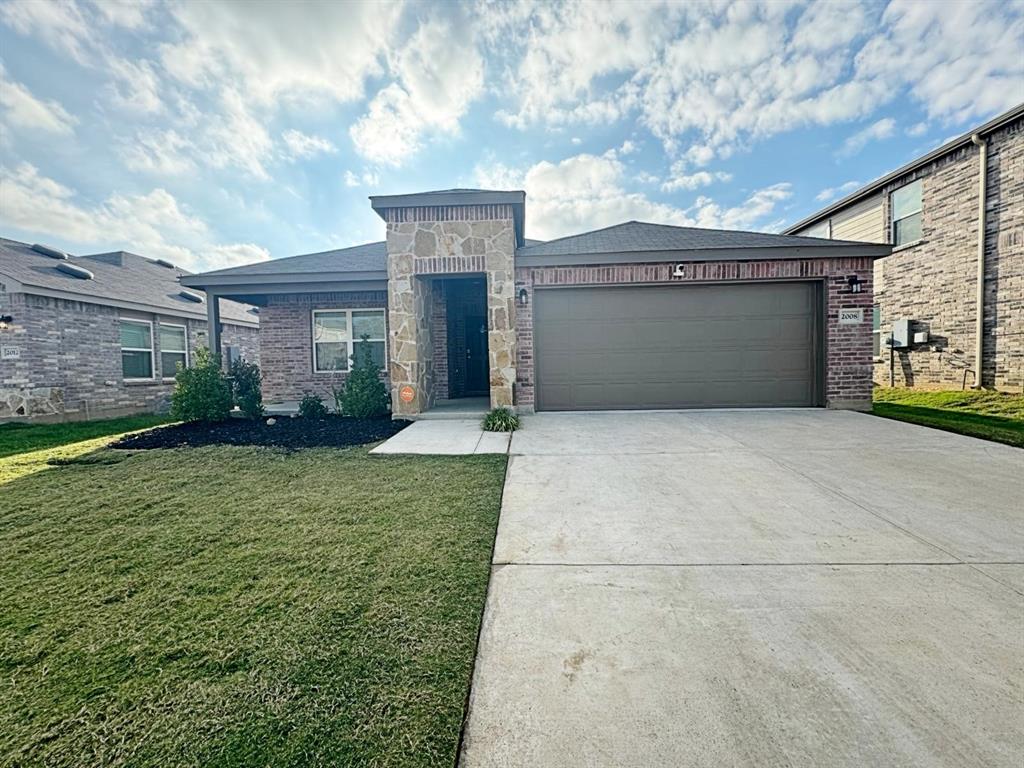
x=246 y=382
x=363 y=394
x=201 y=393
x=501 y=420
x=312 y=407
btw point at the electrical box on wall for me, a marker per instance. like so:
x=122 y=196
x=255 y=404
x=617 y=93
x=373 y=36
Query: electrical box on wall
x=901 y=334
x=921 y=337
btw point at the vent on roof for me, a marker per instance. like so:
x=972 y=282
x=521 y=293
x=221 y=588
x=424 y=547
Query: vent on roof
x=46 y=250
x=163 y=263
x=189 y=296
x=254 y=310
x=75 y=271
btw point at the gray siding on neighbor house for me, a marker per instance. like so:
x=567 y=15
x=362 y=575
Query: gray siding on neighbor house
x=69 y=363
x=933 y=283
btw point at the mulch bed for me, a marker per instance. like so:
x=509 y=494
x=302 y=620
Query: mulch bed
x=288 y=433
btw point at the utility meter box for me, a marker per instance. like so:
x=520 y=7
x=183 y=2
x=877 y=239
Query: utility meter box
x=901 y=334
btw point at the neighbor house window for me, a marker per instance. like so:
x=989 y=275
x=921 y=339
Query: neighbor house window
x=137 y=349
x=336 y=332
x=173 y=349
x=906 y=214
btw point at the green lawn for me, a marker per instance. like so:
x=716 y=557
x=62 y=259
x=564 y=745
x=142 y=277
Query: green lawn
x=22 y=438
x=241 y=606
x=994 y=416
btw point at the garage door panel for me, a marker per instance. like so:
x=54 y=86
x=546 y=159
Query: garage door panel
x=676 y=346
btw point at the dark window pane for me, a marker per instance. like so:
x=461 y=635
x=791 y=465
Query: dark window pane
x=135 y=335
x=377 y=352
x=906 y=201
x=330 y=327
x=331 y=356
x=907 y=230
x=169 y=363
x=368 y=323
x=172 y=338
x=137 y=365
x=876 y=317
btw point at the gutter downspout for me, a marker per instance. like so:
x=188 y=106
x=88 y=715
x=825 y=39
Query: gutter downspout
x=979 y=342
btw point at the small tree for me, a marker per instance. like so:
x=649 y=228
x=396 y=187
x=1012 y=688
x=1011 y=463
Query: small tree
x=363 y=394
x=245 y=381
x=201 y=393
x=312 y=407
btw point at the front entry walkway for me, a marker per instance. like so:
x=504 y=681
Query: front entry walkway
x=752 y=588
x=451 y=437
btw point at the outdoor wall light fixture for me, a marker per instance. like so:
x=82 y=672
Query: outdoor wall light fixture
x=5 y=322
x=524 y=296
x=854 y=284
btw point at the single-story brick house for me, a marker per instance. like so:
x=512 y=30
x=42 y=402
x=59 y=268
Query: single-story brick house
x=459 y=304
x=951 y=295
x=100 y=335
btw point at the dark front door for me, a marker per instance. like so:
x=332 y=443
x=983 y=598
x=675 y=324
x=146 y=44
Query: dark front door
x=476 y=355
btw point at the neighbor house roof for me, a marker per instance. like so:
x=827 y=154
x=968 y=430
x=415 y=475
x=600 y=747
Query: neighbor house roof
x=641 y=241
x=950 y=146
x=119 y=278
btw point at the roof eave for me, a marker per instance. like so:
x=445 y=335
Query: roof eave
x=208 y=281
x=771 y=253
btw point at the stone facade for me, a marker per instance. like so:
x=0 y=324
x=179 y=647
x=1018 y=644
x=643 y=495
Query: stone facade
x=847 y=347
x=425 y=243
x=69 y=359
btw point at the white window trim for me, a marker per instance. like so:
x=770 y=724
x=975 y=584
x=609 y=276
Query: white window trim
x=184 y=329
x=351 y=341
x=893 y=220
x=151 y=350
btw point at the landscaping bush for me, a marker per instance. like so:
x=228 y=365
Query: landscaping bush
x=363 y=394
x=246 y=381
x=312 y=407
x=201 y=393
x=501 y=420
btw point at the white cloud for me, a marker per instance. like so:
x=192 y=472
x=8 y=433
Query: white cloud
x=274 y=52
x=711 y=78
x=22 y=109
x=153 y=224
x=301 y=145
x=436 y=82
x=368 y=178
x=831 y=193
x=679 y=179
x=881 y=129
x=162 y=153
x=60 y=23
x=917 y=129
x=585 y=192
x=135 y=86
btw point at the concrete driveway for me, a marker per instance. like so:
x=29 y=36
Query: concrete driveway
x=755 y=588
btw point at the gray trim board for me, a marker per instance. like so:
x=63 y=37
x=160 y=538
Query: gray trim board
x=448 y=197
x=712 y=254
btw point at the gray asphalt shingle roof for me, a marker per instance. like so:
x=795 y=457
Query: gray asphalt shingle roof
x=638 y=236
x=118 y=276
x=369 y=257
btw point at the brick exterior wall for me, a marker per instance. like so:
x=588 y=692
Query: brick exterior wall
x=934 y=282
x=70 y=359
x=847 y=347
x=286 y=343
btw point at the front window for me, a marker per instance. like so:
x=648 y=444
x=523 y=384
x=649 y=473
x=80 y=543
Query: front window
x=173 y=349
x=906 y=214
x=136 y=349
x=336 y=332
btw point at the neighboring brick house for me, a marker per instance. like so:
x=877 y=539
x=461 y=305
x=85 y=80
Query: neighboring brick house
x=100 y=335
x=927 y=292
x=458 y=304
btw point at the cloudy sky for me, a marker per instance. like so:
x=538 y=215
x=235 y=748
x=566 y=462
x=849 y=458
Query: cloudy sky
x=217 y=133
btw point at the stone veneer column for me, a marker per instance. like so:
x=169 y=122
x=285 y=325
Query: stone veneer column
x=428 y=242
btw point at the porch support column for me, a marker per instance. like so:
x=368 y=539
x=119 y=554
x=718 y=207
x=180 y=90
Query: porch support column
x=213 y=323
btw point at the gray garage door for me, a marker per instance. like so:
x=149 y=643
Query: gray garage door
x=736 y=345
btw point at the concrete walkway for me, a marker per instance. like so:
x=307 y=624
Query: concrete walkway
x=452 y=437
x=752 y=588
